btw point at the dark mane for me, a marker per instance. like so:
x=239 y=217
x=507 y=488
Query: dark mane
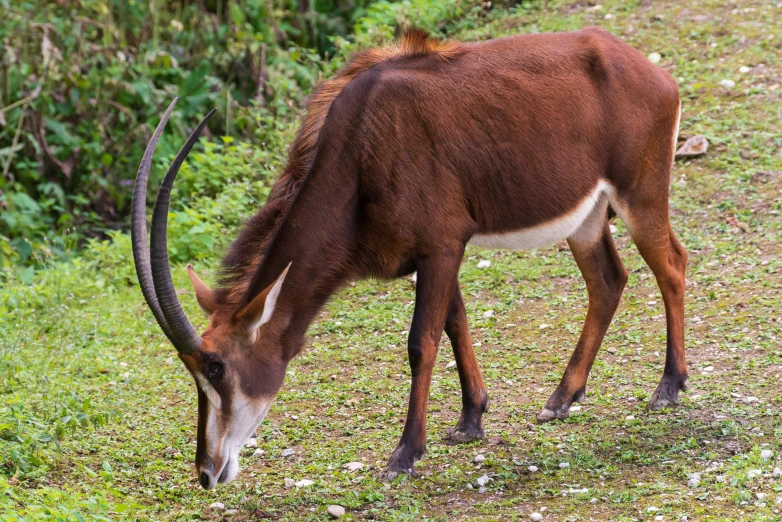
x=246 y=252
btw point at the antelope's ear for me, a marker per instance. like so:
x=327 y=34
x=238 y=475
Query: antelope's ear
x=261 y=308
x=204 y=294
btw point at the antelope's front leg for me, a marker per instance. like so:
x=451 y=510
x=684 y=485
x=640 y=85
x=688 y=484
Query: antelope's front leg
x=435 y=285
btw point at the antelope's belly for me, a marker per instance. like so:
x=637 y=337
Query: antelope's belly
x=585 y=219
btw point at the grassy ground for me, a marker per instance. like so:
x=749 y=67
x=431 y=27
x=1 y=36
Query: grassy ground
x=87 y=356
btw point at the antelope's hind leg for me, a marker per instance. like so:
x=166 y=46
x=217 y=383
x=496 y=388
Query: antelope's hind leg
x=605 y=276
x=475 y=398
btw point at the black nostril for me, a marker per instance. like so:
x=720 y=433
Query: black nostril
x=204 y=480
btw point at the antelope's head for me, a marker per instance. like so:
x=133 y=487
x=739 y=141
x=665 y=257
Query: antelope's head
x=235 y=366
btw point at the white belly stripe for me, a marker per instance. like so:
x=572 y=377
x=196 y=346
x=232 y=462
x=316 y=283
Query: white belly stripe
x=550 y=232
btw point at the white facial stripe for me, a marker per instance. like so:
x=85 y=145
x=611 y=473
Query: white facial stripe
x=550 y=232
x=211 y=393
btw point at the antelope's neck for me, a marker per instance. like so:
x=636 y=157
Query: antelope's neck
x=317 y=237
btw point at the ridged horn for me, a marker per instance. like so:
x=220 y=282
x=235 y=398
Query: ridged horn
x=183 y=335
x=138 y=227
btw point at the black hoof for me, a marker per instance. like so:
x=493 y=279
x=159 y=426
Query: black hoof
x=460 y=435
x=667 y=393
x=558 y=407
x=402 y=461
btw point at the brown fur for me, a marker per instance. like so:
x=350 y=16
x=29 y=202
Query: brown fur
x=238 y=266
x=414 y=149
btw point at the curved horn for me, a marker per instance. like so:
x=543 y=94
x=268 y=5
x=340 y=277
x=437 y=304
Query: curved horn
x=138 y=227
x=185 y=338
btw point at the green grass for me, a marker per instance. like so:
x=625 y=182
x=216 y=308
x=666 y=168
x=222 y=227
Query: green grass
x=97 y=417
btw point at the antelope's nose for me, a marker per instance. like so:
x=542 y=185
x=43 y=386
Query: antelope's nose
x=204 y=480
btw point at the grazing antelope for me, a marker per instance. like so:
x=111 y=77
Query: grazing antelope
x=410 y=153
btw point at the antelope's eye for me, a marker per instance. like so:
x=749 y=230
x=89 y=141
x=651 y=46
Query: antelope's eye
x=214 y=370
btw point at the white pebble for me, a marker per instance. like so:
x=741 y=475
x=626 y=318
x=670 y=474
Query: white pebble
x=564 y=465
x=353 y=466
x=487 y=314
x=593 y=500
x=744 y=69
x=754 y=473
x=479 y=458
x=654 y=57
x=229 y=512
x=335 y=511
x=630 y=418
x=289 y=483
x=777 y=473
x=482 y=481
x=287 y=452
x=484 y=263
x=608 y=16
x=728 y=84
x=481 y=490
x=658 y=518
x=450 y=365
x=252 y=443
x=766 y=454
x=535 y=517
x=217 y=505
x=304 y=483
x=693 y=482
x=652 y=509
x=533 y=469
x=258 y=453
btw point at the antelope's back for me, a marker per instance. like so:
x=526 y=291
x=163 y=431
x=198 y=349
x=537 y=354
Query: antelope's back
x=506 y=123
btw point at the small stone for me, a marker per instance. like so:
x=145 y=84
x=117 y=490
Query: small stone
x=754 y=473
x=482 y=481
x=564 y=465
x=481 y=490
x=535 y=517
x=450 y=365
x=728 y=84
x=760 y=496
x=693 y=482
x=484 y=263
x=744 y=69
x=533 y=469
x=652 y=509
x=750 y=400
x=654 y=57
x=353 y=466
x=708 y=369
x=219 y=506
x=289 y=483
x=304 y=483
x=766 y=454
x=630 y=418
x=287 y=452
x=479 y=458
x=487 y=314
x=335 y=511
x=469 y=486
x=593 y=500
x=612 y=350
x=170 y=450
x=694 y=146
x=544 y=326
x=229 y=512
x=658 y=518
x=777 y=473
x=252 y=443
x=258 y=453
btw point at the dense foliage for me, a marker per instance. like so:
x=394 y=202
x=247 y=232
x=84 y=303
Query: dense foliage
x=82 y=83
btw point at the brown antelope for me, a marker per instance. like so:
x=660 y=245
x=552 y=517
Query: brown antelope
x=410 y=153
